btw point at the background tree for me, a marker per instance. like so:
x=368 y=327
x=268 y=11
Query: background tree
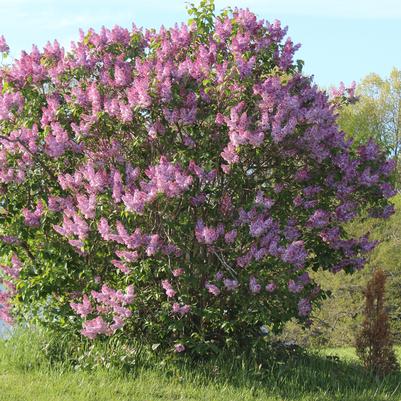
x=374 y=343
x=377 y=114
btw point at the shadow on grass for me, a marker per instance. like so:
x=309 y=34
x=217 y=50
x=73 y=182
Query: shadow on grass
x=301 y=377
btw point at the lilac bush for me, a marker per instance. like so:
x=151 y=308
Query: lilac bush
x=176 y=186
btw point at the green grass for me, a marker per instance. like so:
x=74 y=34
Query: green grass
x=25 y=375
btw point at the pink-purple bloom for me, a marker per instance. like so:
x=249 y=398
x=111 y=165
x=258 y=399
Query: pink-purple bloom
x=83 y=309
x=304 y=307
x=295 y=287
x=4 y=48
x=231 y=284
x=178 y=272
x=180 y=309
x=271 y=287
x=168 y=288
x=254 y=286
x=179 y=347
x=213 y=289
x=295 y=254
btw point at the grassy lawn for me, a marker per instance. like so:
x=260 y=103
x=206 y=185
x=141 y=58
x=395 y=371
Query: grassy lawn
x=24 y=376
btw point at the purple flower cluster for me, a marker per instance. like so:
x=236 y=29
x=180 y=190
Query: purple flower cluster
x=10 y=105
x=208 y=235
x=213 y=289
x=180 y=309
x=32 y=219
x=168 y=288
x=111 y=305
x=304 y=307
x=12 y=274
x=3 y=45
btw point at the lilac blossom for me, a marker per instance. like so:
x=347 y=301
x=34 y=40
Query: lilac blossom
x=230 y=236
x=254 y=286
x=178 y=272
x=208 y=235
x=295 y=254
x=319 y=219
x=83 y=309
x=212 y=289
x=168 y=288
x=181 y=309
x=304 y=307
x=295 y=287
x=179 y=347
x=231 y=284
x=3 y=45
x=93 y=328
x=32 y=219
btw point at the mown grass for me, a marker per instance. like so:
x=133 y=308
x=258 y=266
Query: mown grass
x=26 y=375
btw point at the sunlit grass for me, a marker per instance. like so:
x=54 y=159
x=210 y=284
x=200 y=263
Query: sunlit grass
x=25 y=375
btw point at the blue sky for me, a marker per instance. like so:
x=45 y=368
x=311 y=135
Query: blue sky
x=341 y=39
